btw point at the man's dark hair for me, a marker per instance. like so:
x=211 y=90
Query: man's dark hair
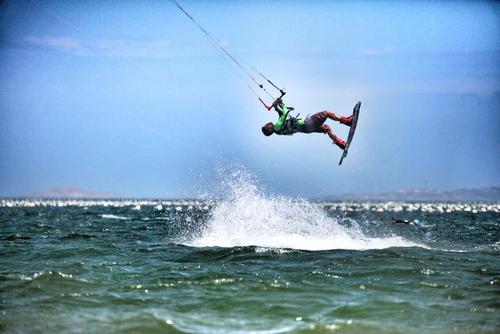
x=268 y=129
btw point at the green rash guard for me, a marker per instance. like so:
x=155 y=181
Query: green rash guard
x=286 y=126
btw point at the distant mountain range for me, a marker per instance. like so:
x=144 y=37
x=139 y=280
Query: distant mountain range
x=70 y=192
x=476 y=194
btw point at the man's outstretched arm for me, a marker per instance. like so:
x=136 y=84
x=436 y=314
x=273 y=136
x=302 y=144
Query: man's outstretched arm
x=275 y=102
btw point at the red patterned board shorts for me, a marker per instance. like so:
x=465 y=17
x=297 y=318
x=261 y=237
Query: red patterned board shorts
x=314 y=123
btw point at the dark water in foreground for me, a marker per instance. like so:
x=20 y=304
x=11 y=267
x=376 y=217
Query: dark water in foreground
x=249 y=265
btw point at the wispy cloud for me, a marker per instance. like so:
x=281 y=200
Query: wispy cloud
x=109 y=47
x=133 y=49
x=62 y=43
x=375 y=51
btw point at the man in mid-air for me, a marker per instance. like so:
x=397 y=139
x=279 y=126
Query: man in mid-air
x=314 y=123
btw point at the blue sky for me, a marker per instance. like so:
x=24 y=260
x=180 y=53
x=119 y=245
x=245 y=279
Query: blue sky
x=130 y=97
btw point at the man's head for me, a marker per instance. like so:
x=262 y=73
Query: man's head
x=268 y=129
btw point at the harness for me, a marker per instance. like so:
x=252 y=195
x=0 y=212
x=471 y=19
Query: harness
x=287 y=125
x=291 y=125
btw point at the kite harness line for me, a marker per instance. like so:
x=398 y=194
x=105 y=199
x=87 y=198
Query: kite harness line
x=229 y=57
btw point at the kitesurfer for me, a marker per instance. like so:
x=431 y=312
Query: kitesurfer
x=288 y=125
x=406 y=221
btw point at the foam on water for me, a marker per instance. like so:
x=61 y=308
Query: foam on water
x=109 y=216
x=249 y=217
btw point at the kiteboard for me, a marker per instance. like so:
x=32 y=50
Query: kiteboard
x=355 y=114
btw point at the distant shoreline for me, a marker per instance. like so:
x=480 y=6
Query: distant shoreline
x=487 y=194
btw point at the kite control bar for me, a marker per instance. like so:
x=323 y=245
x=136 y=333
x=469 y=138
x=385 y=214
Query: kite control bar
x=283 y=93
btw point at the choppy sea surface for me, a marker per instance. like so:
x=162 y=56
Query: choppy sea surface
x=248 y=263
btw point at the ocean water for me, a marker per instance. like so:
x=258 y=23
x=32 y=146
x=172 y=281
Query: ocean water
x=249 y=262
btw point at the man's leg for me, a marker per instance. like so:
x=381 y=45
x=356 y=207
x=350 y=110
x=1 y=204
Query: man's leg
x=336 y=140
x=342 y=119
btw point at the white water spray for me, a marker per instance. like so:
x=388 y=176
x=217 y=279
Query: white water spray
x=248 y=217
